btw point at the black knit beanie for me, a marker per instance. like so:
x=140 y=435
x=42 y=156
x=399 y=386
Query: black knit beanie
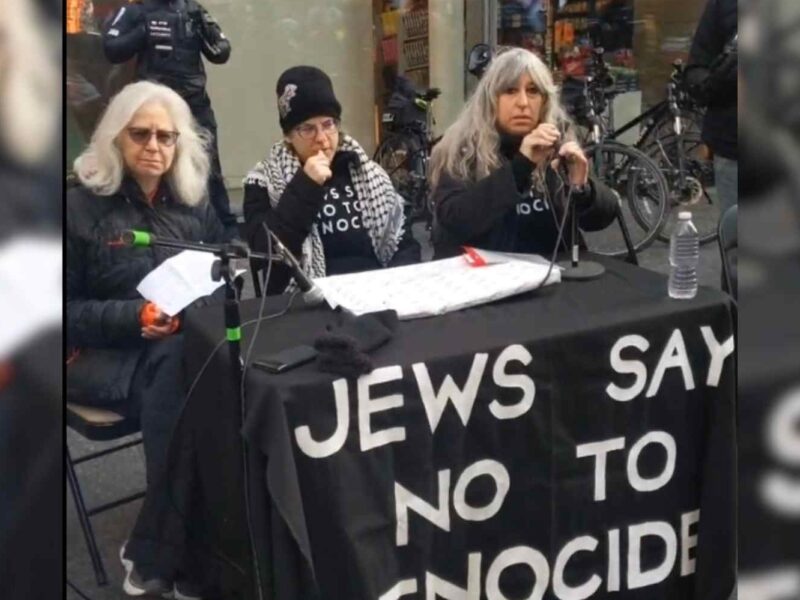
x=305 y=92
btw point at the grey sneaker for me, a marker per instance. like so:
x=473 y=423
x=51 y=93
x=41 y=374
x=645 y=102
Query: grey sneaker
x=135 y=585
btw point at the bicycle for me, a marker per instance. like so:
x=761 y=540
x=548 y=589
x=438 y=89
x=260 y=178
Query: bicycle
x=671 y=137
x=635 y=178
x=405 y=154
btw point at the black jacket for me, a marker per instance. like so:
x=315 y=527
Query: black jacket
x=102 y=302
x=713 y=78
x=292 y=218
x=168 y=37
x=483 y=213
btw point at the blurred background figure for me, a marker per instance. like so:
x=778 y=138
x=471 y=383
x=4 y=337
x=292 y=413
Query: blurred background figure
x=712 y=76
x=31 y=427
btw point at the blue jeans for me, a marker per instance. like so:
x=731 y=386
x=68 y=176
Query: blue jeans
x=726 y=175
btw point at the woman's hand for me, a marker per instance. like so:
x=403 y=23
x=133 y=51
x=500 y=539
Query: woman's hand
x=538 y=144
x=577 y=164
x=159 y=332
x=318 y=168
x=156 y=324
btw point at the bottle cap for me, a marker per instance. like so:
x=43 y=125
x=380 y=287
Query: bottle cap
x=684 y=215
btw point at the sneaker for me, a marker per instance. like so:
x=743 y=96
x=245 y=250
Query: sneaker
x=184 y=590
x=135 y=585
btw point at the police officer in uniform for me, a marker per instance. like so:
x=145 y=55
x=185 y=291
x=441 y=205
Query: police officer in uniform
x=168 y=37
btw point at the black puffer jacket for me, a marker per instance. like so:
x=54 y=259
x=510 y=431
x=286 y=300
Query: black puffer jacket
x=102 y=302
x=169 y=38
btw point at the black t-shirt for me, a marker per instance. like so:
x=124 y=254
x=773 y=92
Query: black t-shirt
x=532 y=221
x=348 y=247
x=536 y=230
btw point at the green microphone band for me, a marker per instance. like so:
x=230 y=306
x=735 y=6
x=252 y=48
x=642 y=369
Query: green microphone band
x=234 y=334
x=141 y=238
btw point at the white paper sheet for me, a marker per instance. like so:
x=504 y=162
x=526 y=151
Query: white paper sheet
x=436 y=287
x=180 y=280
x=30 y=289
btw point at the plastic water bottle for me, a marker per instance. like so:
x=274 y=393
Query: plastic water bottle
x=684 y=254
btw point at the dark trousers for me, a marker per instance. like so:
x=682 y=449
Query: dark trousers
x=160 y=544
x=218 y=195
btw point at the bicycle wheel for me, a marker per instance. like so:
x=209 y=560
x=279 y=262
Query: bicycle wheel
x=401 y=157
x=640 y=188
x=698 y=195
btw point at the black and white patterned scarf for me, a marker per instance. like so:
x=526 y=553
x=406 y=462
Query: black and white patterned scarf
x=382 y=216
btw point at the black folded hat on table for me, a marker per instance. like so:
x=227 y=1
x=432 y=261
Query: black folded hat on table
x=344 y=347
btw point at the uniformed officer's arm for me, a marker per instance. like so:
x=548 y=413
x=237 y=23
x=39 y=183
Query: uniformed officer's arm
x=216 y=47
x=126 y=34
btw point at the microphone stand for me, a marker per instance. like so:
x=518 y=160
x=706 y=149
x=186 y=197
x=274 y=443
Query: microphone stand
x=574 y=269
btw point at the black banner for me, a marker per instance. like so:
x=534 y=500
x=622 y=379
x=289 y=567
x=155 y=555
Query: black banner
x=598 y=460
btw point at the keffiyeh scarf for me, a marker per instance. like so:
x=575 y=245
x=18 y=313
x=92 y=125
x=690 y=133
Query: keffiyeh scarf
x=382 y=216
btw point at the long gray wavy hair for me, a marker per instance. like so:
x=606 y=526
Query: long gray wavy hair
x=469 y=149
x=101 y=167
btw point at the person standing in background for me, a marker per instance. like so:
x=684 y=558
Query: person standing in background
x=169 y=38
x=712 y=78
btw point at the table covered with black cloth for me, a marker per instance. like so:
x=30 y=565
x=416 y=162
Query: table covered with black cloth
x=568 y=443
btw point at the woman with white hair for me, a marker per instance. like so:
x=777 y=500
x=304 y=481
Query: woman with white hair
x=145 y=168
x=493 y=175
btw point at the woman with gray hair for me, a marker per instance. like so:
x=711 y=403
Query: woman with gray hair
x=494 y=173
x=146 y=168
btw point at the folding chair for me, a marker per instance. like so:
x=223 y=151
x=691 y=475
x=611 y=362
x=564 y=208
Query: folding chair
x=100 y=425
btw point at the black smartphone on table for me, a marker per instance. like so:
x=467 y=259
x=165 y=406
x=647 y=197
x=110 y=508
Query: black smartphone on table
x=286 y=359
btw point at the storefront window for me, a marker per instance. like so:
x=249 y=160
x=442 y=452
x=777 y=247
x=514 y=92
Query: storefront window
x=525 y=23
x=641 y=38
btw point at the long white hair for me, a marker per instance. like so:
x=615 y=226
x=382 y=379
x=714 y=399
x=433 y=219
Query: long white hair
x=469 y=149
x=30 y=92
x=100 y=167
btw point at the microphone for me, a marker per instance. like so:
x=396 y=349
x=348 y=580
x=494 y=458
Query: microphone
x=311 y=292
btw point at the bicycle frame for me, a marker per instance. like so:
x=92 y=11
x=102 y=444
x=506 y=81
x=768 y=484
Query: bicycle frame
x=653 y=116
x=654 y=112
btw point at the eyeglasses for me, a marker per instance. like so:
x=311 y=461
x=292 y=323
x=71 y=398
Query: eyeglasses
x=142 y=135
x=308 y=131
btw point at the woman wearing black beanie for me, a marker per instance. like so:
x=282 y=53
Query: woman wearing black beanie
x=319 y=192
